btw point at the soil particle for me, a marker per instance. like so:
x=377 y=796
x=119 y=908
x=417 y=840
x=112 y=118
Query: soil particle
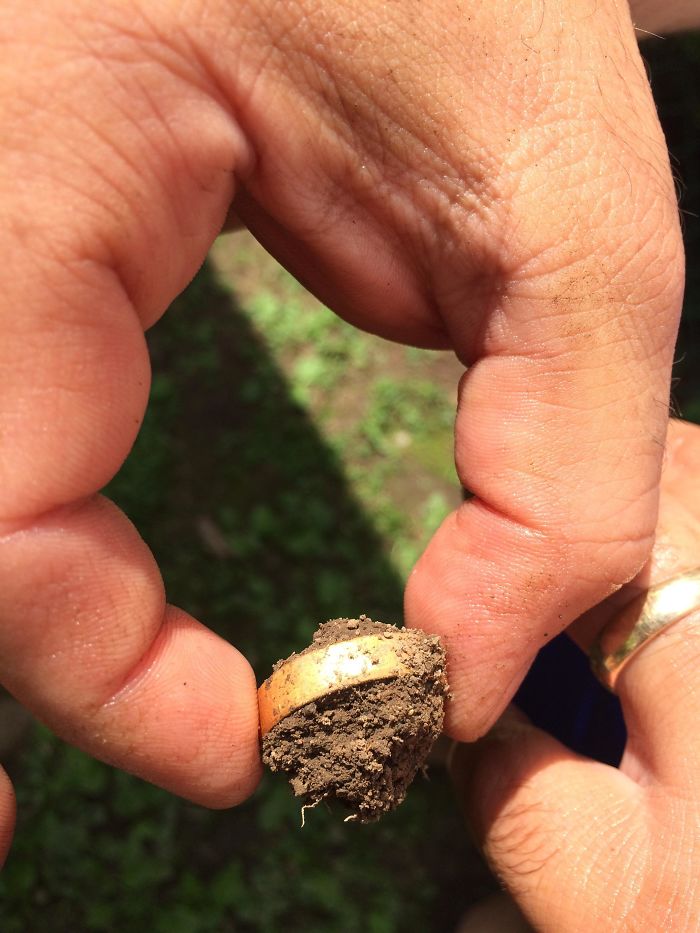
x=363 y=745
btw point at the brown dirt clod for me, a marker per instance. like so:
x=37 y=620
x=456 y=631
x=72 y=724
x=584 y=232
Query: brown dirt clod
x=364 y=744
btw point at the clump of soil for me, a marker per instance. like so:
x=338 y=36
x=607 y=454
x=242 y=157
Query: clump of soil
x=364 y=744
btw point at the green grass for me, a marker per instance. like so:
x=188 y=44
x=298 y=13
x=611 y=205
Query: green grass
x=306 y=515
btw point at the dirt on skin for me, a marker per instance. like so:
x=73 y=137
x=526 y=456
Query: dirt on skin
x=363 y=745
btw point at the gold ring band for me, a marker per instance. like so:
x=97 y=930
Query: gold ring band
x=641 y=620
x=306 y=677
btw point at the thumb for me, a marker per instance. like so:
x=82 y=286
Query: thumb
x=561 y=832
x=563 y=411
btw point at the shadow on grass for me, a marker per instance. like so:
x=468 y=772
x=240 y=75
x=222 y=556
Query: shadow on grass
x=257 y=533
x=248 y=510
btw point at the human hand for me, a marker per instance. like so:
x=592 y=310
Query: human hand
x=583 y=846
x=487 y=178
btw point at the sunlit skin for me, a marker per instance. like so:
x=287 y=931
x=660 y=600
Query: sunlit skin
x=488 y=177
x=583 y=846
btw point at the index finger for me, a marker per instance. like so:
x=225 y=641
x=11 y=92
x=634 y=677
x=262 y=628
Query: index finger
x=115 y=175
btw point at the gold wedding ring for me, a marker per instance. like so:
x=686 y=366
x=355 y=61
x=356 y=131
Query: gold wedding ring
x=644 y=618
x=307 y=677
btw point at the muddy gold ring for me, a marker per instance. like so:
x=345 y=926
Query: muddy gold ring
x=307 y=677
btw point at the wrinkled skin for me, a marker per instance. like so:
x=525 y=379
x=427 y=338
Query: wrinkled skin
x=488 y=177
x=580 y=845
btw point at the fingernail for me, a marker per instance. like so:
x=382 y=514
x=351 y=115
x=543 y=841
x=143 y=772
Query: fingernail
x=511 y=721
x=462 y=756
